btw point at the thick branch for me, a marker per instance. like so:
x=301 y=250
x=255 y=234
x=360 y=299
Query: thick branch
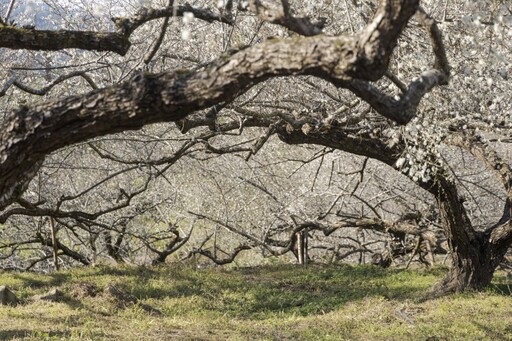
x=387 y=24
x=436 y=40
x=336 y=138
x=65 y=250
x=280 y=14
x=126 y=25
x=28 y=134
x=45 y=40
x=226 y=260
x=30 y=39
x=403 y=109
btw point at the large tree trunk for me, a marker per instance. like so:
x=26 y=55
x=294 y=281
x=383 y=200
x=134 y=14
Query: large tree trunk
x=475 y=255
x=472 y=268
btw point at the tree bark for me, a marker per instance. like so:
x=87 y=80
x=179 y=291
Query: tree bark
x=54 y=244
x=474 y=257
x=28 y=134
x=15 y=38
x=43 y=40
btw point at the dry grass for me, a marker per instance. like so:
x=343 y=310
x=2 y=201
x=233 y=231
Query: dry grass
x=278 y=302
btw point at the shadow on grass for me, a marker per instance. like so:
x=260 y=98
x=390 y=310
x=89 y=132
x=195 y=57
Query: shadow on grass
x=288 y=289
x=284 y=289
x=258 y=292
x=316 y=290
x=140 y=281
x=502 y=289
x=126 y=271
x=37 y=281
x=494 y=334
x=23 y=333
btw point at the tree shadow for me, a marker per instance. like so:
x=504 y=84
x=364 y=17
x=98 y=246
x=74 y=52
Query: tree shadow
x=42 y=281
x=493 y=334
x=257 y=291
x=310 y=293
x=128 y=271
x=502 y=289
x=24 y=333
x=284 y=289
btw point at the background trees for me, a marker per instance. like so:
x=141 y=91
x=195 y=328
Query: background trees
x=374 y=165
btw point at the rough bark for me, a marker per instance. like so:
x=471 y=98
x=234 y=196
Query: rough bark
x=475 y=255
x=30 y=39
x=14 y=37
x=470 y=252
x=28 y=134
x=279 y=13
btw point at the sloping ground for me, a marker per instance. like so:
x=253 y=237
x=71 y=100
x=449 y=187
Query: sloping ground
x=269 y=303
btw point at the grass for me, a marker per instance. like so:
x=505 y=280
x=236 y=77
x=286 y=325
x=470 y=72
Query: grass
x=277 y=302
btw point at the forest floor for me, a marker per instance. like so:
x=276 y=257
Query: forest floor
x=275 y=302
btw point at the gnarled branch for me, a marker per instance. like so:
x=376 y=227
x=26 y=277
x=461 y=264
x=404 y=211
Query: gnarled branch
x=28 y=134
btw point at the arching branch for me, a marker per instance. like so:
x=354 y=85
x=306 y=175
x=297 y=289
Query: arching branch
x=275 y=13
x=14 y=37
x=13 y=81
x=126 y=25
x=28 y=134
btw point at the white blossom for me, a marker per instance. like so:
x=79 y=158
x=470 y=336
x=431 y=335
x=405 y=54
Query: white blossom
x=188 y=17
x=186 y=34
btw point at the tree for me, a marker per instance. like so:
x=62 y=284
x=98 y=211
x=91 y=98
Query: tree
x=213 y=95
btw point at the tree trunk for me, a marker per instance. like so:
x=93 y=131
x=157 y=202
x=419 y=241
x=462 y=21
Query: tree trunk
x=300 y=247
x=472 y=268
x=475 y=255
x=55 y=247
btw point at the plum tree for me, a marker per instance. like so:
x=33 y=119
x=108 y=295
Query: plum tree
x=368 y=87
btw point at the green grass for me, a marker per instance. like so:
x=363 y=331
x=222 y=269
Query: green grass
x=266 y=303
